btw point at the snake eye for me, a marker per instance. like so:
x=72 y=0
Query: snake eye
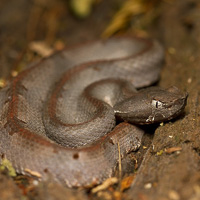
x=156 y=103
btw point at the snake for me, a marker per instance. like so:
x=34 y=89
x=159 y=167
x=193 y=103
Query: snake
x=65 y=117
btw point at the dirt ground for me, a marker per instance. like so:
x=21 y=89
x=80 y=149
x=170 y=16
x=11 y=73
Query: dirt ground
x=169 y=168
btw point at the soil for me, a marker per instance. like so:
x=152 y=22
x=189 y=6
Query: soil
x=169 y=168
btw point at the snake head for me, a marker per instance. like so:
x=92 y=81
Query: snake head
x=152 y=105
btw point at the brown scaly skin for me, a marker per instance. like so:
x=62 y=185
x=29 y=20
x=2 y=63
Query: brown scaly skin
x=50 y=112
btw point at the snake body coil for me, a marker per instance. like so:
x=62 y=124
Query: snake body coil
x=57 y=117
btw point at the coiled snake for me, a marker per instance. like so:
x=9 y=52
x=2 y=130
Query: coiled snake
x=57 y=117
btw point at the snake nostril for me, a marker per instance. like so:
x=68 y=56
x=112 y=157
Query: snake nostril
x=75 y=156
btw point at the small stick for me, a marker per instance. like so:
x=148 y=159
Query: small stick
x=120 y=170
x=120 y=163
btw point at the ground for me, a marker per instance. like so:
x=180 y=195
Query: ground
x=169 y=168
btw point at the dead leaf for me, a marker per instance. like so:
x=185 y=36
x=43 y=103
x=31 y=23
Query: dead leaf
x=126 y=182
x=107 y=183
x=173 y=149
x=41 y=48
x=33 y=173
